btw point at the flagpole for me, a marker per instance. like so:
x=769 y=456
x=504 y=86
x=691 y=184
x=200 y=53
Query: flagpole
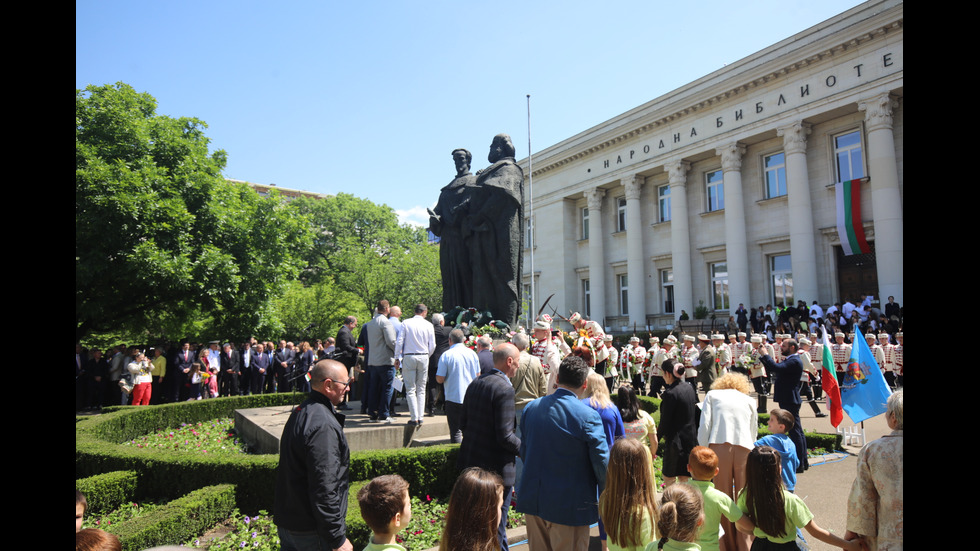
x=530 y=206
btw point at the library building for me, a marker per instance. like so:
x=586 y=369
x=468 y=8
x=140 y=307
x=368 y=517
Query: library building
x=775 y=179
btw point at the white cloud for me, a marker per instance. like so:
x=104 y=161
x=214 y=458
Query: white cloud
x=416 y=216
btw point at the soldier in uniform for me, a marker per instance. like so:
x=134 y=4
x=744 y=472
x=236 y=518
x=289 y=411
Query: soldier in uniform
x=816 y=358
x=809 y=373
x=667 y=351
x=612 y=360
x=652 y=369
x=841 y=352
x=636 y=366
x=544 y=349
x=724 y=353
x=689 y=357
x=876 y=352
x=593 y=331
x=900 y=359
x=889 y=351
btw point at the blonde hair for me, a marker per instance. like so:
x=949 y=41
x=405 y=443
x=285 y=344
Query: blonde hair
x=597 y=392
x=735 y=381
x=629 y=494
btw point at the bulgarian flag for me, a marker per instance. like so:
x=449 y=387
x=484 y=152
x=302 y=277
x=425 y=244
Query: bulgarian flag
x=850 y=231
x=829 y=382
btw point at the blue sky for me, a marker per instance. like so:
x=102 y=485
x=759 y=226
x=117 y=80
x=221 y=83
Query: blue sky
x=370 y=98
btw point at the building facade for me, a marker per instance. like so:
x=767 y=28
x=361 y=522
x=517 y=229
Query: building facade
x=723 y=191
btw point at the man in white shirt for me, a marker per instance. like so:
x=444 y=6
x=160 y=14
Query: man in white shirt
x=816 y=312
x=415 y=342
x=458 y=367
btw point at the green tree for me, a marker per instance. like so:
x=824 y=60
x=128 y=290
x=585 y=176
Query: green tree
x=160 y=236
x=316 y=311
x=363 y=248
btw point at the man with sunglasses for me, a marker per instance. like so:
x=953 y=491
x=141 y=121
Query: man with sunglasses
x=312 y=483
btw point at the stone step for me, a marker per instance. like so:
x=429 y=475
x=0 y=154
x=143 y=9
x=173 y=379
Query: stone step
x=262 y=428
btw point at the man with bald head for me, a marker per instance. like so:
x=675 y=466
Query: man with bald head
x=312 y=482
x=487 y=422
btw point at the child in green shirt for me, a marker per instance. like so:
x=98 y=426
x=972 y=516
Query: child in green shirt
x=387 y=509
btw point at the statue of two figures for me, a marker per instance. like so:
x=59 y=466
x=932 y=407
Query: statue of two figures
x=479 y=219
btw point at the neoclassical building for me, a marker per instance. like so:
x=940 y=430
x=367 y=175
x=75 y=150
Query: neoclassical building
x=725 y=190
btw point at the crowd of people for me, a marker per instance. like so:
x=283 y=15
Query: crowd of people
x=549 y=422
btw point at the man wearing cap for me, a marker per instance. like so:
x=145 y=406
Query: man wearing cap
x=841 y=352
x=900 y=359
x=593 y=331
x=707 y=368
x=757 y=371
x=689 y=357
x=653 y=368
x=888 y=349
x=544 y=349
x=636 y=359
x=667 y=351
x=809 y=370
x=816 y=358
x=611 y=362
x=876 y=352
x=723 y=354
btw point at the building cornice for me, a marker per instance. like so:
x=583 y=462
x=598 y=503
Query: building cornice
x=596 y=139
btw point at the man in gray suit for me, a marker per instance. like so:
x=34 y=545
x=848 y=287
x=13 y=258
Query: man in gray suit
x=380 y=362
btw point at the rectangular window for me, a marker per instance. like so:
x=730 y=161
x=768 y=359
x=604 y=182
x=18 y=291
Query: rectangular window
x=714 y=183
x=847 y=154
x=528 y=233
x=585 y=223
x=667 y=290
x=621 y=214
x=775 y=166
x=719 y=286
x=624 y=308
x=781 y=272
x=586 y=298
x=663 y=199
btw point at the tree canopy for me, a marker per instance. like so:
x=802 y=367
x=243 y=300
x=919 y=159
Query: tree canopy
x=362 y=247
x=160 y=235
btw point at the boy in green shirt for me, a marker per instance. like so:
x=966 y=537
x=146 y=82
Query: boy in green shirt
x=703 y=466
x=386 y=508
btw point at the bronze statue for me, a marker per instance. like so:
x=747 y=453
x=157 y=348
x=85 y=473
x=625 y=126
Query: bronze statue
x=446 y=222
x=496 y=221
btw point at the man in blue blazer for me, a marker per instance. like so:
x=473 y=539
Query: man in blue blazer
x=565 y=455
x=788 y=375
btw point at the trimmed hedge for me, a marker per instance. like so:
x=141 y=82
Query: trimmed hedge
x=106 y=492
x=179 y=520
x=170 y=474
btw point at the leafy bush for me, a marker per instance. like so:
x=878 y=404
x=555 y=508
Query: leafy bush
x=166 y=474
x=178 y=520
x=105 y=492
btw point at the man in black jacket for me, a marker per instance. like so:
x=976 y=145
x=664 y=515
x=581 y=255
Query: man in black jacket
x=488 y=425
x=345 y=350
x=312 y=482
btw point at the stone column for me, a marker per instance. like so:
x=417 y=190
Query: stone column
x=597 y=263
x=736 y=247
x=803 y=249
x=680 y=238
x=635 y=268
x=886 y=197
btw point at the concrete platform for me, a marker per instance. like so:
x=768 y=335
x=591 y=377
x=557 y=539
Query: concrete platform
x=262 y=428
